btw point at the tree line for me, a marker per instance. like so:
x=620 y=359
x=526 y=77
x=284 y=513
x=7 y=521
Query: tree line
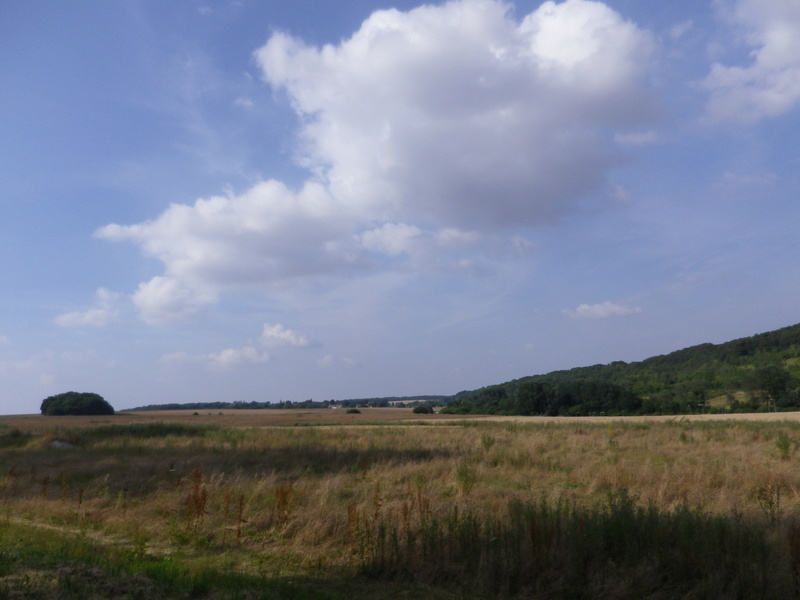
x=758 y=373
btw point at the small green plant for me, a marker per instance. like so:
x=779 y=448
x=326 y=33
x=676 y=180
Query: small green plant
x=465 y=477
x=784 y=445
x=353 y=411
x=768 y=498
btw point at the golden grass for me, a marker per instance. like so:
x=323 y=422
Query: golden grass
x=286 y=490
x=293 y=417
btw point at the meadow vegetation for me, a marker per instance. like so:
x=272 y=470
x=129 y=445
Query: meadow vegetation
x=362 y=507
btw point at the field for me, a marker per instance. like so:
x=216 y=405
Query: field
x=386 y=504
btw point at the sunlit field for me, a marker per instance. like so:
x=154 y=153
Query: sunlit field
x=386 y=503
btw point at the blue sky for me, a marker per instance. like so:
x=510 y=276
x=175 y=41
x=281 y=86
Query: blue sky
x=222 y=201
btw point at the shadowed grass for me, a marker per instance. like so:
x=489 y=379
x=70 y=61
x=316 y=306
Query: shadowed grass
x=616 y=550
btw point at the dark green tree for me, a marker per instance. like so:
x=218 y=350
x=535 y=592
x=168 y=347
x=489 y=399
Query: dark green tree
x=76 y=403
x=772 y=383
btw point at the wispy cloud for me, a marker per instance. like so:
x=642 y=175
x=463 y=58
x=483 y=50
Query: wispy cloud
x=603 y=310
x=225 y=359
x=637 y=138
x=101 y=315
x=248 y=354
x=734 y=181
x=681 y=29
x=279 y=335
x=329 y=360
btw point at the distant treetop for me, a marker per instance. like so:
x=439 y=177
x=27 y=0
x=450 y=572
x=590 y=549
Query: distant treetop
x=76 y=403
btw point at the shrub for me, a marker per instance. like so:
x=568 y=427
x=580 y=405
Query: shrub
x=353 y=411
x=76 y=403
x=423 y=410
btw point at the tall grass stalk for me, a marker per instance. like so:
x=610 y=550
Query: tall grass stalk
x=619 y=549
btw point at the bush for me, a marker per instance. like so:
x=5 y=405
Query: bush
x=423 y=410
x=76 y=403
x=353 y=411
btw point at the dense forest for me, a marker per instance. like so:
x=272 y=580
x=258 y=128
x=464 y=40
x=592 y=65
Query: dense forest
x=758 y=373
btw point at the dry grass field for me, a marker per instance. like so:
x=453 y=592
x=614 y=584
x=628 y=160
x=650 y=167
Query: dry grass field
x=390 y=504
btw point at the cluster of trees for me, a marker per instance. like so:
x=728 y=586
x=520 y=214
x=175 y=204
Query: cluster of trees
x=540 y=396
x=757 y=373
x=76 y=403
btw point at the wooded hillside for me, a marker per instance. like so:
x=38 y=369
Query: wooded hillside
x=757 y=373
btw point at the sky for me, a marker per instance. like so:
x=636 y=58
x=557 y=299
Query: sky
x=263 y=200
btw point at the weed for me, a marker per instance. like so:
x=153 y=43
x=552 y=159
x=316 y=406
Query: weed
x=465 y=478
x=283 y=503
x=196 y=500
x=768 y=497
x=14 y=438
x=240 y=518
x=784 y=445
x=559 y=550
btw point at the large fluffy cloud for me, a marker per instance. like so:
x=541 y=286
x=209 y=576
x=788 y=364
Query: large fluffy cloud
x=770 y=84
x=424 y=132
x=269 y=234
x=462 y=116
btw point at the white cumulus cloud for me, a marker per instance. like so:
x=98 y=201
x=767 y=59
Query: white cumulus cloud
x=268 y=234
x=462 y=115
x=424 y=131
x=103 y=313
x=279 y=335
x=603 y=310
x=391 y=238
x=233 y=357
x=769 y=85
x=165 y=299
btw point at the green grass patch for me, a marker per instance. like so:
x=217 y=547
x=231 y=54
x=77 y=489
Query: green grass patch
x=36 y=563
